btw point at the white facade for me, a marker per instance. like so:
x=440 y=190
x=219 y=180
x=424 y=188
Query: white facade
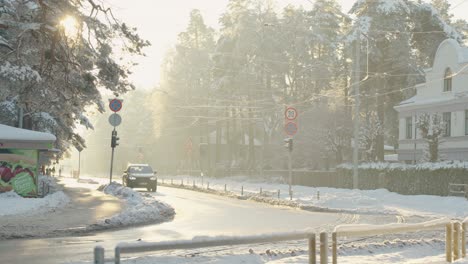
x=444 y=92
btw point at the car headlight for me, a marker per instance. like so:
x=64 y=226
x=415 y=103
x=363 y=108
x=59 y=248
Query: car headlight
x=153 y=178
x=132 y=178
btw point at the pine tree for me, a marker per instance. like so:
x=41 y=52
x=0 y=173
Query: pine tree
x=54 y=57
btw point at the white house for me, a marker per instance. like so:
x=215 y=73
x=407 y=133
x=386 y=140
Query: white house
x=444 y=92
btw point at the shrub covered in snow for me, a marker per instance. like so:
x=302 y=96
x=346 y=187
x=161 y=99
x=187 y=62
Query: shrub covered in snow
x=423 y=178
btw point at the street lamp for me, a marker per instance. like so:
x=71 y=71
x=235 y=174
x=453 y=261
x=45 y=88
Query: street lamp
x=357 y=102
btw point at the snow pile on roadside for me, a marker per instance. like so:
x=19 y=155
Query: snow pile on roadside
x=140 y=209
x=379 y=201
x=17 y=205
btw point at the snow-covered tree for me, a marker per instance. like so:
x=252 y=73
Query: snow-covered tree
x=55 y=56
x=369 y=132
x=432 y=129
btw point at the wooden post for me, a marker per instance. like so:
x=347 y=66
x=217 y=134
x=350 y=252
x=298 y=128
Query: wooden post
x=334 y=248
x=456 y=240
x=312 y=250
x=463 y=239
x=448 y=242
x=323 y=248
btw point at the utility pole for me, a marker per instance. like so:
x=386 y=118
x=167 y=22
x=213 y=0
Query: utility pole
x=357 y=66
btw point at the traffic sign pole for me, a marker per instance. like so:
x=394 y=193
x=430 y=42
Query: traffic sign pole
x=290 y=128
x=115 y=106
x=112 y=162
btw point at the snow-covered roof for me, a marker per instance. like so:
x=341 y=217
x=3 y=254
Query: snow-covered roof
x=13 y=134
x=423 y=102
x=461 y=51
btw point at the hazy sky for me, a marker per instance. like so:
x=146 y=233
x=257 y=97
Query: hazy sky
x=160 y=21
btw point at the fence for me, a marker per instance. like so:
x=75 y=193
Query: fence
x=209 y=242
x=204 y=186
x=452 y=238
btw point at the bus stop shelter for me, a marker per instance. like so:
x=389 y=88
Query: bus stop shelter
x=19 y=159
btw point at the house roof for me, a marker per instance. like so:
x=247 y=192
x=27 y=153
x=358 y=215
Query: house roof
x=461 y=51
x=17 y=138
x=419 y=101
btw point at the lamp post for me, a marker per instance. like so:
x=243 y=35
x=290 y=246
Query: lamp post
x=357 y=81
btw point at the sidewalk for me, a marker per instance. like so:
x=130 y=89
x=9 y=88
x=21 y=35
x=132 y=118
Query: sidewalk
x=86 y=207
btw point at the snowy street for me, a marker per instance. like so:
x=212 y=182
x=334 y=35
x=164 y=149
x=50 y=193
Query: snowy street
x=200 y=214
x=197 y=214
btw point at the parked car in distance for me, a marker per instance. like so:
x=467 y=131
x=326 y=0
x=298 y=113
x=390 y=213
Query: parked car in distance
x=140 y=176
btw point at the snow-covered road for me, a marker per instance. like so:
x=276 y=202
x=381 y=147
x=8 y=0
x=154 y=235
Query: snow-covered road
x=197 y=214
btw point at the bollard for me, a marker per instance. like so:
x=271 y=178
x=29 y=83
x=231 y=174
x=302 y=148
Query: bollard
x=208 y=185
x=463 y=239
x=172 y=182
x=323 y=248
x=312 y=250
x=290 y=194
x=98 y=255
x=279 y=194
x=225 y=188
x=182 y=182
x=448 y=242
x=261 y=190
x=318 y=195
x=117 y=255
x=334 y=248
x=242 y=190
x=456 y=240
x=193 y=186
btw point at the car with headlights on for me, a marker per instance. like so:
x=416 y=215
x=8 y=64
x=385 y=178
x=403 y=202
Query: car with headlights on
x=140 y=176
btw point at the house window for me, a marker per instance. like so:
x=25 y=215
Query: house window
x=448 y=80
x=409 y=128
x=447 y=121
x=466 y=122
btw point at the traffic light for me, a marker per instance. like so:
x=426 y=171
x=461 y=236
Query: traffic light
x=289 y=144
x=114 y=139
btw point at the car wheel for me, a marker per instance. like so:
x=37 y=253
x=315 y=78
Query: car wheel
x=149 y=189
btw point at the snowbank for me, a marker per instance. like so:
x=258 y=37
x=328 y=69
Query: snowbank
x=140 y=208
x=379 y=201
x=17 y=205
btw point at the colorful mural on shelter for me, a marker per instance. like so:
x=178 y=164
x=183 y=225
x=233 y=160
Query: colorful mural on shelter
x=18 y=171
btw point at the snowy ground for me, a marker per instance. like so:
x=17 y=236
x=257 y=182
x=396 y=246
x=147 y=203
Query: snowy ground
x=141 y=208
x=31 y=206
x=356 y=201
x=54 y=214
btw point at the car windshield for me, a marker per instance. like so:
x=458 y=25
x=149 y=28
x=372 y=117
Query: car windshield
x=140 y=169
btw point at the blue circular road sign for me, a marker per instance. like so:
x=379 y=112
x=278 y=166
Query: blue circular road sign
x=115 y=105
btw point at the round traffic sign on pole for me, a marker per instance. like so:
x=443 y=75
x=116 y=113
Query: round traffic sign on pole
x=115 y=119
x=115 y=105
x=290 y=128
x=290 y=113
